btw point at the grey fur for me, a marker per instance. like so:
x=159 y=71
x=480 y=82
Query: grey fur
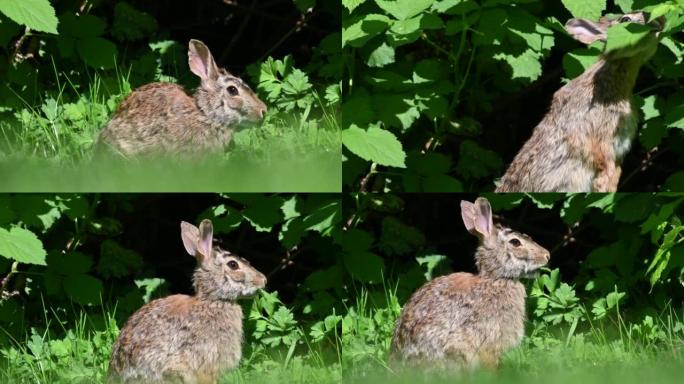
x=462 y=320
x=189 y=339
x=581 y=142
x=163 y=118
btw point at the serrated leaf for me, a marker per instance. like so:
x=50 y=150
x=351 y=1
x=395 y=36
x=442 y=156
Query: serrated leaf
x=404 y=9
x=352 y=4
x=525 y=65
x=590 y=9
x=21 y=245
x=35 y=14
x=374 y=144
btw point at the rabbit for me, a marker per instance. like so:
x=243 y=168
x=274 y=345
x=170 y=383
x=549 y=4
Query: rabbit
x=464 y=321
x=163 y=118
x=189 y=339
x=580 y=144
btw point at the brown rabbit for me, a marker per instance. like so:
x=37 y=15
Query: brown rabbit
x=463 y=320
x=581 y=142
x=163 y=118
x=189 y=339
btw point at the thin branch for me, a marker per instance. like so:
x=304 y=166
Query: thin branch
x=4 y=294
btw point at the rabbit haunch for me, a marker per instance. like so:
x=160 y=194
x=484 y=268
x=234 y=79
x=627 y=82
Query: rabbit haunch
x=580 y=144
x=189 y=339
x=162 y=117
x=463 y=320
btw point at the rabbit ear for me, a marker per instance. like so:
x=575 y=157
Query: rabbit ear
x=585 y=31
x=190 y=237
x=478 y=217
x=206 y=238
x=201 y=62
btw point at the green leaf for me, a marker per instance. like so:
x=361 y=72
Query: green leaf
x=374 y=144
x=82 y=26
x=525 y=65
x=404 y=9
x=381 y=56
x=97 y=52
x=21 y=245
x=430 y=262
x=83 y=289
x=35 y=14
x=364 y=266
x=352 y=4
x=357 y=31
x=590 y=9
x=130 y=23
x=117 y=261
x=626 y=35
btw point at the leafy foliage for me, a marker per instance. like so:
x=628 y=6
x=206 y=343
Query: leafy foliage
x=58 y=91
x=463 y=83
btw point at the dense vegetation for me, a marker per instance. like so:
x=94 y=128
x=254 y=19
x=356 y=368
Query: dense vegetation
x=74 y=267
x=67 y=64
x=440 y=95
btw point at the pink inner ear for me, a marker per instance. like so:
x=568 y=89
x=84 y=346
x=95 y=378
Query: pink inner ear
x=484 y=219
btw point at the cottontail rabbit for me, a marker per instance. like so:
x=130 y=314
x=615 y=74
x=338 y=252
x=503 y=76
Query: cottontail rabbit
x=580 y=143
x=463 y=320
x=189 y=339
x=162 y=117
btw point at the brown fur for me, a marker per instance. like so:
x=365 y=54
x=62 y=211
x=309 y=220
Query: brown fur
x=189 y=339
x=463 y=320
x=581 y=142
x=164 y=118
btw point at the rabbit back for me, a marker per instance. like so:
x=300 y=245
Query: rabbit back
x=460 y=319
x=580 y=137
x=160 y=117
x=178 y=338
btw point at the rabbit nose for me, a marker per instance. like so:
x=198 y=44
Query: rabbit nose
x=546 y=255
x=262 y=112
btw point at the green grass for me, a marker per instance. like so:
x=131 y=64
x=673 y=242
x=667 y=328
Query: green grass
x=49 y=147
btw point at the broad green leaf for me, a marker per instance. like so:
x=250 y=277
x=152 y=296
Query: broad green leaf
x=97 y=52
x=404 y=9
x=356 y=240
x=352 y=4
x=21 y=245
x=83 y=26
x=626 y=35
x=357 y=31
x=589 y=9
x=649 y=109
x=525 y=65
x=35 y=14
x=83 y=289
x=364 y=266
x=381 y=56
x=374 y=144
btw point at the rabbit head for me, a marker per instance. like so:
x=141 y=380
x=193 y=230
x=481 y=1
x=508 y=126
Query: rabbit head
x=503 y=253
x=587 y=31
x=220 y=275
x=225 y=99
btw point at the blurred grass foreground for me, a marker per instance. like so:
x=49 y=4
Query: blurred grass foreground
x=316 y=172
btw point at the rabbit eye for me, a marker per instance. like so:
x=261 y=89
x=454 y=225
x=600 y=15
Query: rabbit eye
x=515 y=242
x=232 y=90
x=233 y=265
x=625 y=19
